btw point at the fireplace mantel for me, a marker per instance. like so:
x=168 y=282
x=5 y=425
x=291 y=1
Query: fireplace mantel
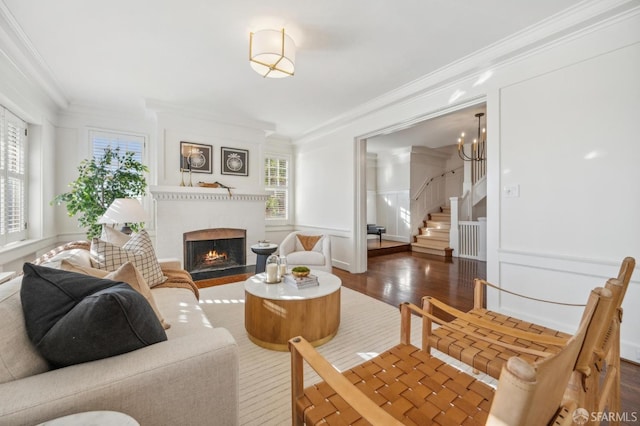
x=182 y=209
x=185 y=193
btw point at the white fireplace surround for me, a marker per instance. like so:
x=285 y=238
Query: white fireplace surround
x=184 y=209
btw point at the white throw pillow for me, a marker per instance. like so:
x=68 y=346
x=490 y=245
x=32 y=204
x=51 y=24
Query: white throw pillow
x=77 y=256
x=138 y=250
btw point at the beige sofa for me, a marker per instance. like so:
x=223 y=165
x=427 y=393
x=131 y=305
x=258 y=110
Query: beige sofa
x=190 y=379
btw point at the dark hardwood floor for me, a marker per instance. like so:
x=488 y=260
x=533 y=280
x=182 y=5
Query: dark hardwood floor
x=407 y=277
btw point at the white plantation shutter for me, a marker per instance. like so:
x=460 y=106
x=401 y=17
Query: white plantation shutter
x=13 y=177
x=276 y=181
x=126 y=142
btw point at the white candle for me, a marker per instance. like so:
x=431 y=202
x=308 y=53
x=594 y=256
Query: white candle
x=272 y=273
x=283 y=270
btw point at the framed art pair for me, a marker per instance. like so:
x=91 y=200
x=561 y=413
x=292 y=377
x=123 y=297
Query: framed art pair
x=198 y=158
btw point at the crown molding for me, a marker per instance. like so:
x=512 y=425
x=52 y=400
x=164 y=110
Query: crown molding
x=585 y=17
x=207 y=115
x=25 y=58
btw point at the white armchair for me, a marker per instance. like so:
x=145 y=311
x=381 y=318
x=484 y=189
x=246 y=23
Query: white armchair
x=316 y=257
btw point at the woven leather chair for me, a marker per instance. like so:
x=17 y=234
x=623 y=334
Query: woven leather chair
x=406 y=385
x=502 y=338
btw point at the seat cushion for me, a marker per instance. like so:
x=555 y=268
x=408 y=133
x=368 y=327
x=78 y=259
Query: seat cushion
x=18 y=357
x=73 y=318
x=138 y=250
x=308 y=258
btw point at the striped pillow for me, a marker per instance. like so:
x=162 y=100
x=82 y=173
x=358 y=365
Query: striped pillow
x=138 y=250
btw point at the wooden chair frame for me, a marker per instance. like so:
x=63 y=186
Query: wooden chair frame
x=526 y=393
x=585 y=386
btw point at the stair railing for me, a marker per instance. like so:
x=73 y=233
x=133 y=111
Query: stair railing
x=467 y=238
x=428 y=181
x=473 y=239
x=431 y=195
x=478 y=170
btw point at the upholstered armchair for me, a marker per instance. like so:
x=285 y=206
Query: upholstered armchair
x=309 y=250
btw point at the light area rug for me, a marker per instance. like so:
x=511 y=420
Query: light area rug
x=367 y=327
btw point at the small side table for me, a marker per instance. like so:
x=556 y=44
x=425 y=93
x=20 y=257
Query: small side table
x=263 y=252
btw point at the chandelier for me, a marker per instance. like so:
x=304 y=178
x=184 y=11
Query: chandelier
x=477 y=146
x=272 y=53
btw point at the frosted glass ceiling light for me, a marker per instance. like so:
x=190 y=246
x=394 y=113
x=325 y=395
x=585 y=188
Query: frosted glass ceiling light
x=272 y=53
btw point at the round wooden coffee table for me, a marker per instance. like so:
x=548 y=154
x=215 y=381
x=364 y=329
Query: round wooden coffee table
x=274 y=313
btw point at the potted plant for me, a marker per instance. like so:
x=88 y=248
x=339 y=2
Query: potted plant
x=100 y=181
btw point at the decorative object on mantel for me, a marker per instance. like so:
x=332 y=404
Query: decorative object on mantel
x=216 y=184
x=477 y=147
x=194 y=158
x=234 y=161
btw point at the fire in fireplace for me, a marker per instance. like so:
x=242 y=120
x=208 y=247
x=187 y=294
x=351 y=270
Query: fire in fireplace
x=214 y=252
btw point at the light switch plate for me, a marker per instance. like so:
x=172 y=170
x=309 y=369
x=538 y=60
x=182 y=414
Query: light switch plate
x=511 y=191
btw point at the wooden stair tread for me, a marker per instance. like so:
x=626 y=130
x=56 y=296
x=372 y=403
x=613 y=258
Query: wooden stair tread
x=431 y=243
x=419 y=248
x=438 y=225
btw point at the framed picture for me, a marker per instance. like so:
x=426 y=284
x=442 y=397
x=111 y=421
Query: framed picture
x=234 y=161
x=195 y=157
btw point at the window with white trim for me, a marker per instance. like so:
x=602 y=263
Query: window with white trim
x=100 y=140
x=13 y=178
x=276 y=182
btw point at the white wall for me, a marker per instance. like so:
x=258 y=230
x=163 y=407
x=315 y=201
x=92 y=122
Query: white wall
x=372 y=187
x=393 y=181
x=28 y=101
x=324 y=191
x=547 y=109
x=576 y=174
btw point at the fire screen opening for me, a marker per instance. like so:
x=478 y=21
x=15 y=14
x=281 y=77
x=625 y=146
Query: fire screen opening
x=214 y=250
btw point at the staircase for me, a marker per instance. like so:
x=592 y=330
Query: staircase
x=434 y=236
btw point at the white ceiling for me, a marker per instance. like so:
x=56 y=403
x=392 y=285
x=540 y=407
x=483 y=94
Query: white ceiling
x=194 y=53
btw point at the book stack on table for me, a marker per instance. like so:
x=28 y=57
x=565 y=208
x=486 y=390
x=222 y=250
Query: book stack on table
x=302 y=282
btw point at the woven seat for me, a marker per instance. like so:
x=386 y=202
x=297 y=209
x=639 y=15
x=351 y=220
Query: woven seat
x=489 y=357
x=406 y=385
x=411 y=385
x=459 y=339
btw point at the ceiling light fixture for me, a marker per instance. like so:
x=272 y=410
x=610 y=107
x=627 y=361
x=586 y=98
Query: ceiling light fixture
x=478 y=145
x=272 y=53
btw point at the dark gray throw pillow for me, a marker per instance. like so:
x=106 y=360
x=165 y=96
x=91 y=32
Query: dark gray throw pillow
x=73 y=318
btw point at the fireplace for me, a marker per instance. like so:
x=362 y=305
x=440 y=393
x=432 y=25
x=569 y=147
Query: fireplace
x=217 y=252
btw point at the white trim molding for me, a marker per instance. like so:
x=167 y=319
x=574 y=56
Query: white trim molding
x=178 y=193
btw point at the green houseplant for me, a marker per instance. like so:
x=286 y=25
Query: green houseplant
x=100 y=181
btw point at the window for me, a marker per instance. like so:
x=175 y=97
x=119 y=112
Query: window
x=276 y=181
x=127 y=143
x=13 y=178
